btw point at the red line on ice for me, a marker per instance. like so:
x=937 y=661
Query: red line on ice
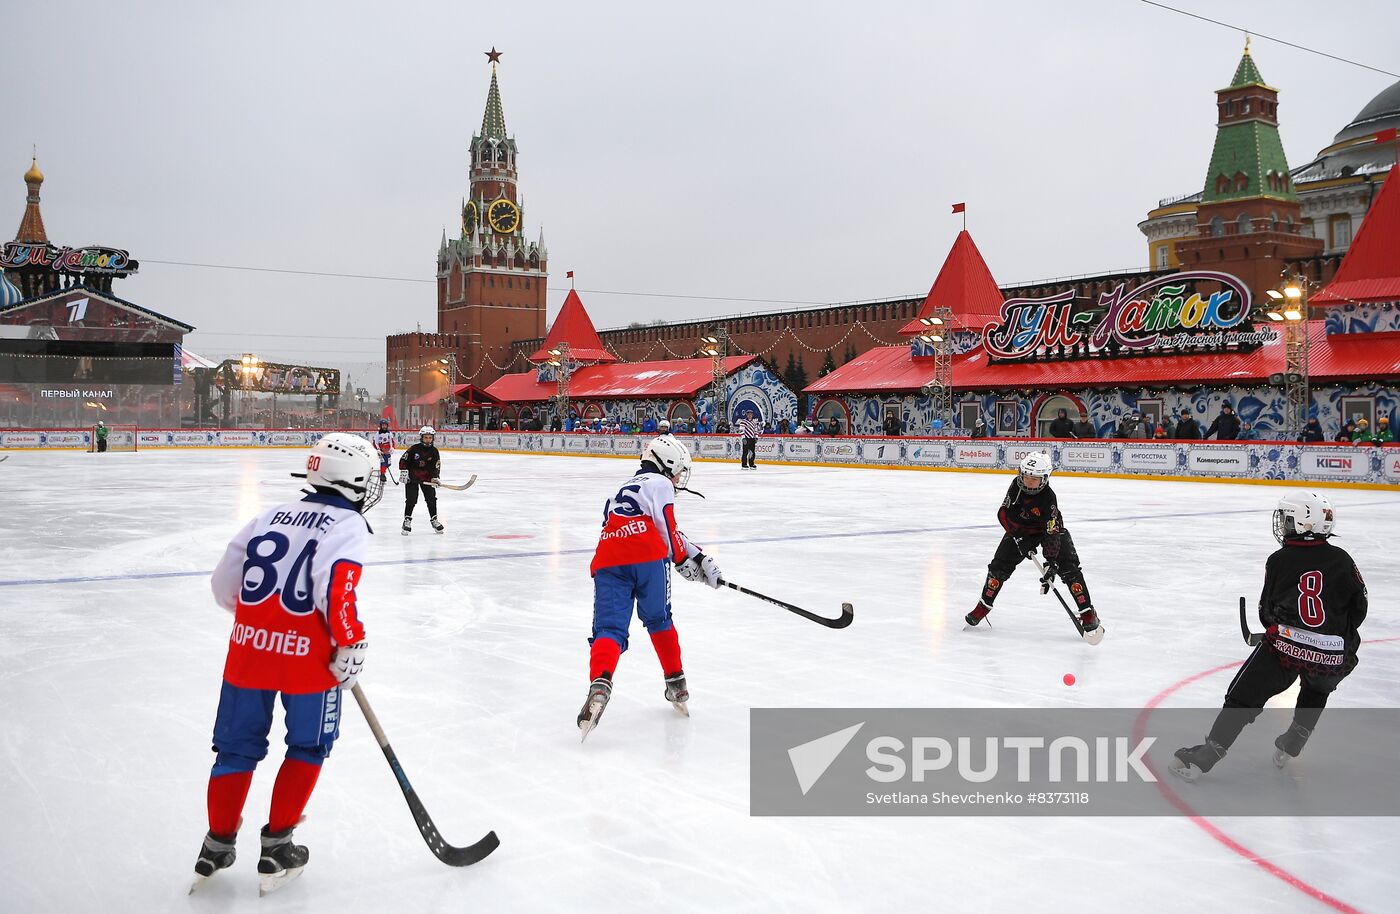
x=1209 y=827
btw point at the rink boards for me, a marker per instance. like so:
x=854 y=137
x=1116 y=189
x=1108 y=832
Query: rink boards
x=1266 y=461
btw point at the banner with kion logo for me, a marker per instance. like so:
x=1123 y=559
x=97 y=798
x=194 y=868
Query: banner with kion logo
x=1374 y=467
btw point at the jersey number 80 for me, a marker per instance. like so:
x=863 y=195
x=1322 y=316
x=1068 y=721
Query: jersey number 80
x=265 y=554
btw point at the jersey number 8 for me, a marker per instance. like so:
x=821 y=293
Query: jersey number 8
x=296 y=595
x=1311 y=610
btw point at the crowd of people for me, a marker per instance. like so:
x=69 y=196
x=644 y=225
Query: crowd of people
x=1180 y=425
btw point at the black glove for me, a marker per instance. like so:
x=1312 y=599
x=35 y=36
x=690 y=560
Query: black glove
x=1026 y=545
x=1047 y=580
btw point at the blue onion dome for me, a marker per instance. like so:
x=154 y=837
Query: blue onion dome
x=9 y=292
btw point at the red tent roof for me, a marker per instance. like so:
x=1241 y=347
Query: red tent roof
x=572 y=325
x=1370 y=271
x=624 y=380
x=964 y=286
x=471 y=395
x=1337 y=357
x=429 y=398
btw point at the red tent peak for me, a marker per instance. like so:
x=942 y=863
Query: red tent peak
x=1370 y=271
x=572 y=325
x=964 y=286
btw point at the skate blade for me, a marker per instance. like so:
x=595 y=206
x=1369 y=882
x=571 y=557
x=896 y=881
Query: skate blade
x=1280 y=758
x=1183 y=770
x=198 y=881
x=1095 y=636
x=586 y=727
x=681 y=707
x=267 y=884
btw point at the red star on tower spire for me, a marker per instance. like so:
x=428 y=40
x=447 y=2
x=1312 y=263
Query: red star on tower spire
x=494 y=56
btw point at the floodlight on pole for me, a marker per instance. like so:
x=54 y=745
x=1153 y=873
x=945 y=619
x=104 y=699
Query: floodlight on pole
x=1274 y=315
x=1275 y=294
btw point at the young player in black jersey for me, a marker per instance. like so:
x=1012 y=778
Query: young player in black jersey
x=1313 y=603
x=420 y=466
x=1030 y=515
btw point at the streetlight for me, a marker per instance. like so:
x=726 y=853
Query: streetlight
x=559 y=358
x=717 y=347
x=1290 y=304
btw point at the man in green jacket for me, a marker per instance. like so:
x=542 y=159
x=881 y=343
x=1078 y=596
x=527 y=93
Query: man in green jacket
x=1383 y=433
x=1363 y=435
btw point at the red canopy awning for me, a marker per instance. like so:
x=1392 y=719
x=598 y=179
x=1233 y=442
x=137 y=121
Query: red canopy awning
x=1370 y=356
x=622 y=380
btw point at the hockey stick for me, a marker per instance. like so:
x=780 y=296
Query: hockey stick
x=1249 y=637
x=462 y=488
x=848 y=612
x=1073 y=617
x=392 y=476
x=452 y=856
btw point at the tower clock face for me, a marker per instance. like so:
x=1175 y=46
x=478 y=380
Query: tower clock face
x=504 y=216
x=469 y=218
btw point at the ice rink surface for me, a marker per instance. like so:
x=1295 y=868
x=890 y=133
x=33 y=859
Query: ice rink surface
x=113 y=649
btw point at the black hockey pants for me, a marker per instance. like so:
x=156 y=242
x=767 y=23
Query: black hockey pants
x=1009 y=555
x=411 y=497
x=1262 y=677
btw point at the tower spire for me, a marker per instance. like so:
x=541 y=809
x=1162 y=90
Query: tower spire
x=493 y=122
x=31 y=225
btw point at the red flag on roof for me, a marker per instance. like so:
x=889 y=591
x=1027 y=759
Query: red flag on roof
x=569 y=275
x=959 y=207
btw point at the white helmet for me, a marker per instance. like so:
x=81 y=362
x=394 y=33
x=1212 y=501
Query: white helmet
x=426 y=430
x=1035 y=465
x=1303 y=514
x=345 y=464
x=671 y=457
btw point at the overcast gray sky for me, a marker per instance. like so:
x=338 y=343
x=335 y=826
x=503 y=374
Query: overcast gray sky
x=796 y=151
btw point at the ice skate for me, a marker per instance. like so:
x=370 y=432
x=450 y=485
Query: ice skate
x=407 y=526
x=676 y=692
x=1089 y=621
x=1289 y=744
x=599 y=691
x=281 y=861
x=437 y=525
x=217 y=853
x=978 y=614
x=1189 y=764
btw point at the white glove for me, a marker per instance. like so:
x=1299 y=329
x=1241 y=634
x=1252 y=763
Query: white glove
x=700 y=567
x=347 y=663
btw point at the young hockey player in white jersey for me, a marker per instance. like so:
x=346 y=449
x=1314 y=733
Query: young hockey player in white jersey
x=384 y=446
x=289 y=577
x=632 y=566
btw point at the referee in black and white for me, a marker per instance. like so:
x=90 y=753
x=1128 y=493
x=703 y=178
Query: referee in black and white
x=749 y=430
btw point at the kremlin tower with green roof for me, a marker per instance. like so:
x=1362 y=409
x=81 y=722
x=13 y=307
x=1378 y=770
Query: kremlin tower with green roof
x=1249 y=217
